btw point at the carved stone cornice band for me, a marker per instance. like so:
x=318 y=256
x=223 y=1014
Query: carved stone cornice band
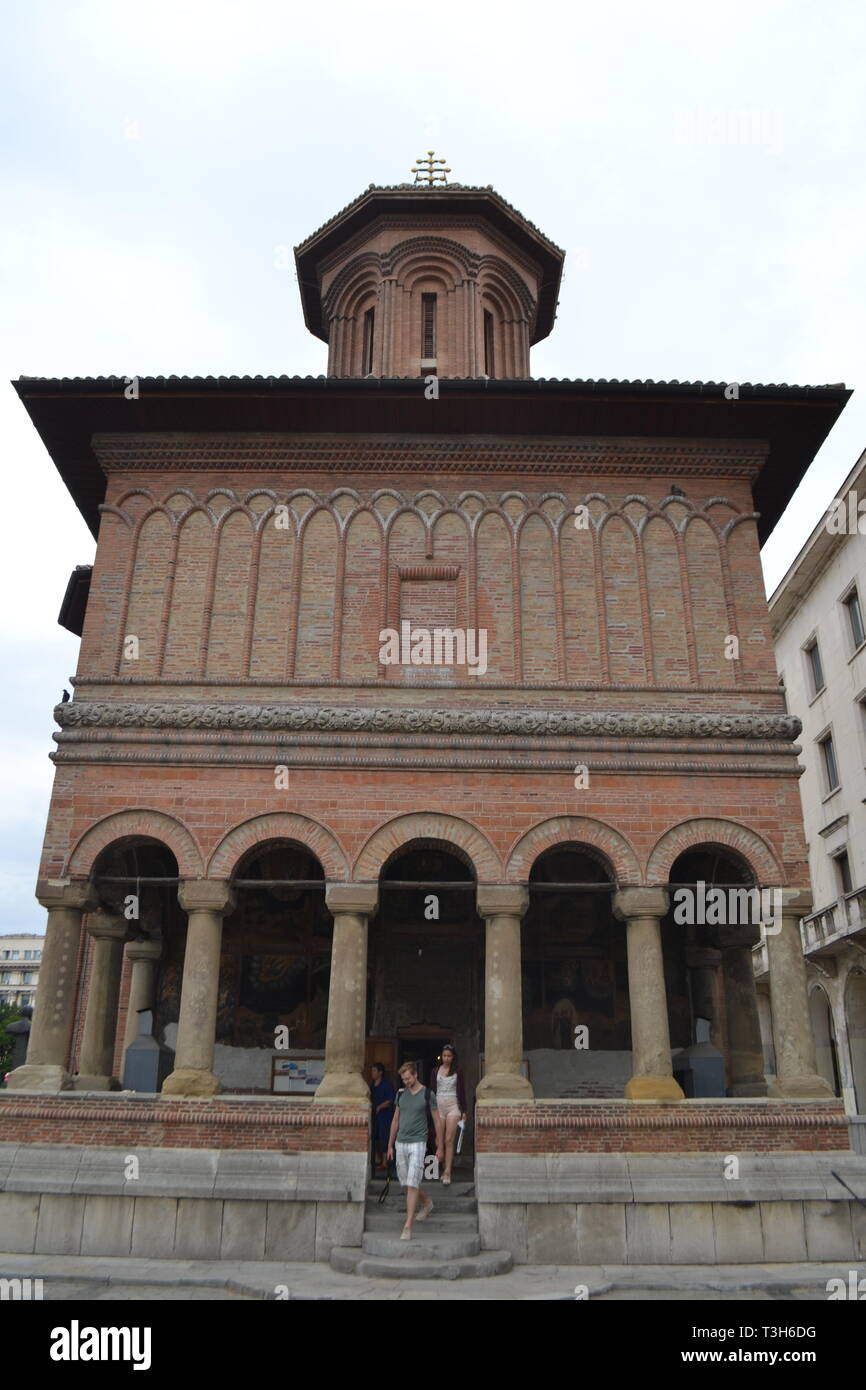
x=365 y=718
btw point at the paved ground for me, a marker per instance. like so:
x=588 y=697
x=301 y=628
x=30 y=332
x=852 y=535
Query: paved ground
x=100 y=1278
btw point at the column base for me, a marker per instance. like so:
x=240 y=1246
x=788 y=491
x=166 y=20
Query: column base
x=807 y=1086
x=84 y=1082
x=744 y=1089
x=35 y=1077
x=342 y=1085
x=504 y=1086
x=653 y=1088
x=189 y=1081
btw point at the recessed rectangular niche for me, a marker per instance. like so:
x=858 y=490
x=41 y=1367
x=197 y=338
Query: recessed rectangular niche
x=427 y=598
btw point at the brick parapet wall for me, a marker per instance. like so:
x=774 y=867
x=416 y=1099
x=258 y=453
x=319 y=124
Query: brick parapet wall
x=684 y=1127
x=298 y=1127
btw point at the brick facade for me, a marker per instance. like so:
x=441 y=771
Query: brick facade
x=254 y=543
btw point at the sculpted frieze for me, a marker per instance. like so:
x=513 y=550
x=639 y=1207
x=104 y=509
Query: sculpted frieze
x=361 y=718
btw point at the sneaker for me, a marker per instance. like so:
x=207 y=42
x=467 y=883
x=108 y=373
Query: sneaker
x=446 y=1181
x=406 y=1234
x=422 y=1215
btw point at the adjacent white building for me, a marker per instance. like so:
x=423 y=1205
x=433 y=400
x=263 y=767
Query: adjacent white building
x=20 y=957
x=818 y=614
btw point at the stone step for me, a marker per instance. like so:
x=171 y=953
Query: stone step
x=446 y=1224
x=396 y=1201
x=424 y=1245
x=482 y=1266
x=460 y=1194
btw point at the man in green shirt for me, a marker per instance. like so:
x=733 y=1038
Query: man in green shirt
x=409 y=1135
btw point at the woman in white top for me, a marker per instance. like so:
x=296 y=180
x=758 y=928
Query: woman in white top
x=446 y=1080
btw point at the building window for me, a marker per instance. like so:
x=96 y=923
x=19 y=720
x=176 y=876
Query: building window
x=828 y=757
x=27 y=977
x=428 y=327
x=843 y=871
x=855 y=617
x=369 y=322
x=25 y=999
x=489 y=366
x=816 y=670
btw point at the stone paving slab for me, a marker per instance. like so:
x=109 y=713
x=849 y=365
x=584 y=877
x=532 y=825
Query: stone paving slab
x=105 y=1278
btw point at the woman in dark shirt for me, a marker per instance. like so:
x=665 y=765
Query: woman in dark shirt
x=382 y=1097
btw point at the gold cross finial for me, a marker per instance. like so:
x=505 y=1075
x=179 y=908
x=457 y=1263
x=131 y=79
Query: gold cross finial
x=430 y=174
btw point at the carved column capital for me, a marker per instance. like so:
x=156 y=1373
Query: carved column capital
x=79 y=895
x=149 y=949
x=362 y=898
x=206 y=894
x=640 y=902
x=107 y=926
x=501 y=899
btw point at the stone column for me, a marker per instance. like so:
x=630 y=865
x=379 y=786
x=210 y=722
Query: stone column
x=642 y=910
x=503 y=906
x=205 y=901
x=704 y=964
x=143 y=957
x=745 y=1049
x=103 y=996
x=54 y=1012
x=797 y=1075
x=352 y=905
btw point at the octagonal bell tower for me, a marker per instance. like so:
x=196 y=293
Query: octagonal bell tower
x=429 y=280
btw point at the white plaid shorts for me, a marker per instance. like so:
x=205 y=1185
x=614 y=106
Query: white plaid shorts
x=410 y=1163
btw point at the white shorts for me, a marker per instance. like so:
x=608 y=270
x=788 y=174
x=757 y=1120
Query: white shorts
x=448 y=1106
x=410 y=1163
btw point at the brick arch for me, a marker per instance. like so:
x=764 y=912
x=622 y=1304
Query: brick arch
x=279 y=825
x=136 y=825
x=569 y=830
x=691 y=834
x=428 y=825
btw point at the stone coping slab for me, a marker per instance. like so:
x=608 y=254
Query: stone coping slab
x=670 y=1178
x=245 y=1175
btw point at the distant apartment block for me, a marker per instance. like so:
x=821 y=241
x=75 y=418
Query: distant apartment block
x=817 y=614
x=20 y=957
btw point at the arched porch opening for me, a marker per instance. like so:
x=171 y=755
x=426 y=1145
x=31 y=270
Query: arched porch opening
x=426 y=963
x=855 y=1018
x=274 y=971
x=576 y=1026
x=135 y=881
x=826 y=1056
x=708 y=933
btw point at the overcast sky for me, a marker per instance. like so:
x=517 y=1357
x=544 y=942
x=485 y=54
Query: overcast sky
x=702 y=167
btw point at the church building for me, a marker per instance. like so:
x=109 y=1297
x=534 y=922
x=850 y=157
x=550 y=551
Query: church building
x=413 y=702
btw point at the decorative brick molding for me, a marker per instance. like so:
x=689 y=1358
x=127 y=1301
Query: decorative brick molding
x=299 y=453
x=684 y=1126
x=363 y=719
x=278 y=826
x=706 y=831
x=581 y=830
x=290 y=1126
x=137 y=825
x=449 y=831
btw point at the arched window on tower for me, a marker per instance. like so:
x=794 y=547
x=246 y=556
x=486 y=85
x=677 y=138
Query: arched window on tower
x=428 y=330
x=489 y=356
x=367 y=359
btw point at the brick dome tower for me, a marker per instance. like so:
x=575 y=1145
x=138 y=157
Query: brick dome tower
x=412 y=280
